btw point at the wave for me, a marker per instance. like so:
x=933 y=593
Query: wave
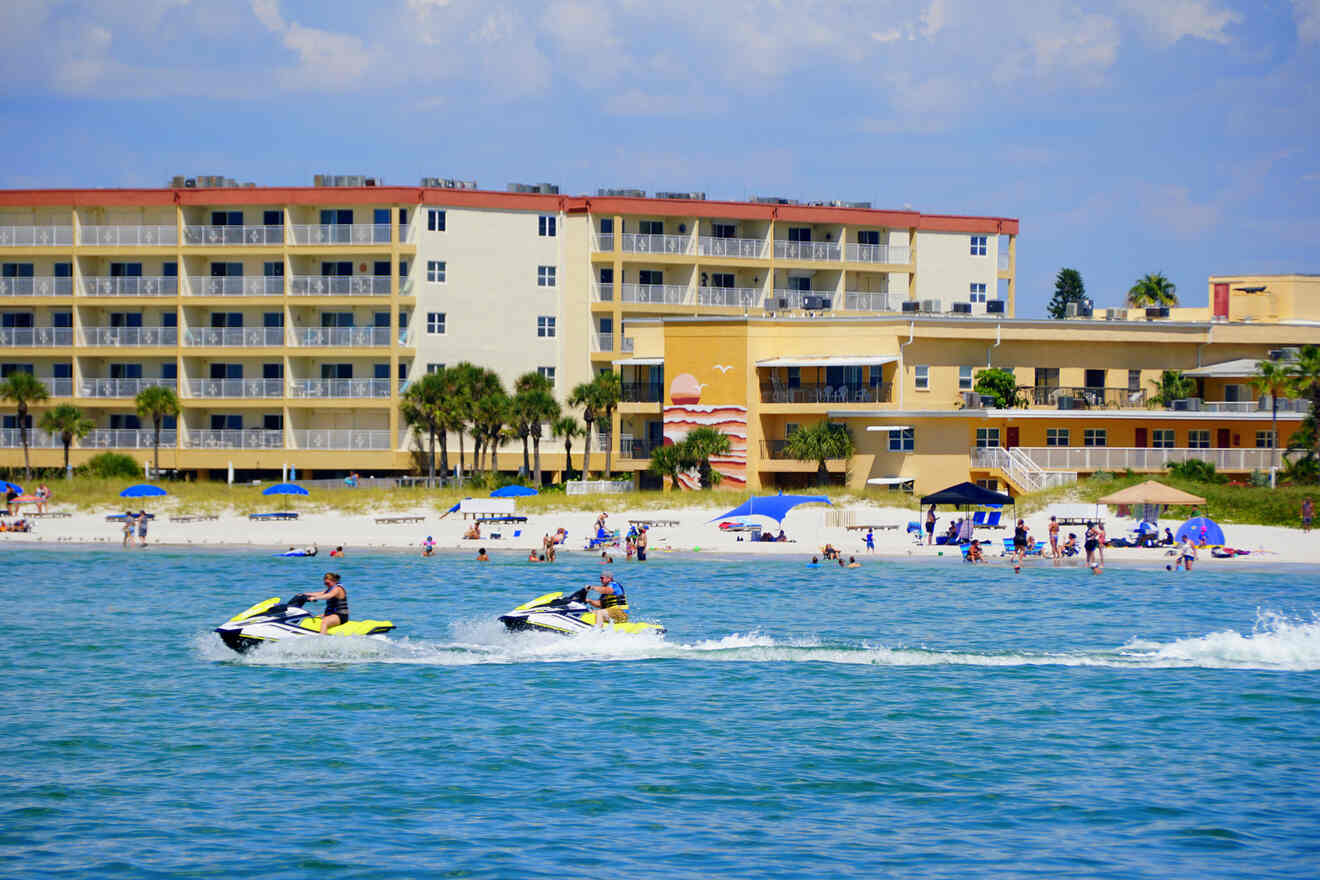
x=1276 y=644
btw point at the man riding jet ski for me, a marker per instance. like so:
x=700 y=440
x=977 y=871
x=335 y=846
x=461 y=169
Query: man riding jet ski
x=575 y=613
x=272 y=620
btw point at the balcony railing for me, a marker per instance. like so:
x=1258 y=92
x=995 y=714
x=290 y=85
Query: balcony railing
x=121 y=387
x=342 y=439
x=37 y=439
x=40 y=285
x=1086 y=398
x=654 y=294
x=1261 y=406
x=129 y=336
x=36 y=337
x=821 y=393
x=635 y=448
x=339 y=285
x=331 y=388
x=604 y=241
x=129 y=438
x=641 y=392
x=877 y=253
x=129 y=236
x=236 y=388
x=602 y=342
x=246 y=337
x=248 y=438
x=253 y=236
x=741 y=248
x=639 y=243
x=342 y=233
x=342 y=336
x=1003 y=261
x=150 y=285
x=58 y=387
x=36 y=236
x=603 y=292
x=793 y=299
x=807 y=250
x=1113 y=458
x=734 y=297
x=869 y=301
x=242 y=285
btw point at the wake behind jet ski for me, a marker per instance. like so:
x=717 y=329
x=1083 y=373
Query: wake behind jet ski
x=569 y=615
x=273 y=621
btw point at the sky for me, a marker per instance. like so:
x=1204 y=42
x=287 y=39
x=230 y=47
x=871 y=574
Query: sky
x=1132 y=136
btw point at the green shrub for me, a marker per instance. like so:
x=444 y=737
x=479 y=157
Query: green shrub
x=1102 y=477
x=1196 y=470
x=112 y=465
x=1260 y=479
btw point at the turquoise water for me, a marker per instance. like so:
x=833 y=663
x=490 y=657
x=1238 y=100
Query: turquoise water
x=910 y=720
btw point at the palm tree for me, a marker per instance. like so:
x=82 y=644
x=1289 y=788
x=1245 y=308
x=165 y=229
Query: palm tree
x=421 y=405
x=667 y=461
x=156 y=402
x=490 y=412
x=69 y=422
x=817 y=443
x=609 y=390
x=566 y=427
x=1172 y=385
x=462 y=379
x=23 y=388
x=1274 y=379
x=584 y=394
x=1152 y=290
x=699 y=446
x=535 y=403
x=1305 y=373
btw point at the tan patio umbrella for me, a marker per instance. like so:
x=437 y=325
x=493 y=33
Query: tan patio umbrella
x=1151 y=492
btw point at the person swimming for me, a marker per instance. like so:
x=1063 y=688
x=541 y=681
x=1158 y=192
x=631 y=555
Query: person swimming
x=481 y=555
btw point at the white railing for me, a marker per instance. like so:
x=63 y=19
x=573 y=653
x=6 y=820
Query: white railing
x=741 y=248
x=242 y=285
x=339 y=388
x=627 y=345
x=233 y=235
x=36 y=337
x=654 y=294
x=342 y=233
x=248 y=438
x=1114 y=458
x=235 y=388
x=149 y=285
x=807 y=250
x=246 y=337
x=737 y=297
x=339 y=285
x=792 y=299
x=597 y=487
x=129 y=438
x=40 y=285
x=638 y=243
x=405 y=232
x=602 y=292
x=121 y=336
x=35 y=236
x=136 y=236
x=1003 y=261
x=1261 y=406
x=877 y=253
x=121 y=387
x=342 y=336
x=1021 y=470
x=602 y=342
x=343 y=439
x=59 y=387
x=869 y=301
x=604 y=241
x=9 y=438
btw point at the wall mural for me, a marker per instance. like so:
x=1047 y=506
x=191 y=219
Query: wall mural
x=687 y=412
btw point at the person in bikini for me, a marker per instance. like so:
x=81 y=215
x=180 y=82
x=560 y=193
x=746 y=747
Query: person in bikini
x=336 y=602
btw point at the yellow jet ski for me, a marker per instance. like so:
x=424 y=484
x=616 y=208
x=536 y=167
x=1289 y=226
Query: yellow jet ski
x=273 y=621
x=567 y=615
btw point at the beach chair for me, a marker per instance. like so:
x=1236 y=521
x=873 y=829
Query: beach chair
x=914 y=529
x=965 y=548
x=992 y=521
x=978 y=519
x=1008 y=546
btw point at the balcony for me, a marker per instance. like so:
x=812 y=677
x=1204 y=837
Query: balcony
x=121 y=387
x=1004 y=263
x=340 y=285
x=131 y=438
x=603 y=292
x=878 y=253
x=1261 y=407
x=635 y=448
x=1088 y=459
x=638 y=243
x=733 y=297
x=739 y=248
x=816 y=251
x=36 y=337
x=341 y=233
x=252 y=236
x=604 y=241
x=813 y=392
x=58 y=387
x=128 y=236
x=1086 y=398
x=602 y=342
x=339 y=388
x=654 y=294
x=255 y=285
x=641 y=392
x=41 y=285
x=239 y=337
x=36 y=236
x=342 y=439
x=869 y=301
x=37 y=439
x=249 y=438
x=800 y=299
x=151 y=285
x=130 y=336
x=342 y=336
x=236 y=388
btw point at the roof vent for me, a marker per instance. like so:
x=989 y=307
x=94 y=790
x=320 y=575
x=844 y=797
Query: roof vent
x=622 y=193
x=682 y=196
x=447 y=183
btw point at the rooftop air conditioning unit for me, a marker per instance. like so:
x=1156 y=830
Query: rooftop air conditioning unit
x=1070 y=310
x=1179 y=406
x=1194 y=404
x=962 y=308
x=1157 y=311
x=1276 y=354
x=177 y=180
x=910 y=305
x=930 y=305
x=994 y=307
x=1067 y=402
x=1084 y=311
x=773 y=200
x=688 y=196
x=971 y=400
x=1115 y=314
x=190 y=183
x=622 y=193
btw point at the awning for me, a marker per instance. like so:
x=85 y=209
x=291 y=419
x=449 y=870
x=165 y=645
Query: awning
x=1242 y=368
x=640 y=362
x=889 y=428
x=853 y=361
x=889 y=481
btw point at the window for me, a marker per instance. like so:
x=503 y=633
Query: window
x=723 y=230
x=272 y=371
x=1198 y=439
x=435 y=221
x=1095 y=437
x=723 y=280
x=1134 y=380
x=272 y=421
x=1235 y=393
x=650 y=276
x=987 y=438
x=1056 y=436
x=651 y=227
x=976 y=292
x=434 y=368
x=273 y=269
x=868 y=237
x=545 y=226
x=799 y=233
x=1264 y=439
x=902 y=441
x=964 y=378
x=978 y=245
x=545 y=326
x=1161 y=438
x=272 y=218
x=336 y=371
x=336 y=319
x=545 y=276
x=992 y=485
x=921 y=377
x=435 y=271
x=435 y=322
x=547 y=373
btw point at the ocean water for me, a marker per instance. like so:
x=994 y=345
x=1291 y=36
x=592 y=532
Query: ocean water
x=914 y=720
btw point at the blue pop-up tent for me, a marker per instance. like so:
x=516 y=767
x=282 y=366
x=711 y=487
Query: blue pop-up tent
x=1202 y=530
x=142 y=490
x=284 y=489
x=513 y=491
x=776 y=507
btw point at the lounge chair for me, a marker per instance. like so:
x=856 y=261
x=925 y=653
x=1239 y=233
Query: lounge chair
x=992 y=521
x=978 y=519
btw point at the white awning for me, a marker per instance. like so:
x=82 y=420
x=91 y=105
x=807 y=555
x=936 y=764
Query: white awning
x=860 y=360
x=640 y=362
x=1243 y=368
x=889 y=428
x=889 y=481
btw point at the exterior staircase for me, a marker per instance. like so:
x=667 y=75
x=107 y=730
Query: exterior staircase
x=1017 y=469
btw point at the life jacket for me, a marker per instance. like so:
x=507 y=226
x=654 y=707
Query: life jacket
x=338 y=605
x=615 y=599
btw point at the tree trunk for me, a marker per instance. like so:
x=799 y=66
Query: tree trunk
x=568 y=459
x=22 y=433
x=430 y=479
x=609 y=448
x=460 y=455
x=586 y=449
x=1274 y=440
x=444 y=453
x=68 y=441
x=536 y=457
x=155 y=466
x=527 y=464
x=822 y=474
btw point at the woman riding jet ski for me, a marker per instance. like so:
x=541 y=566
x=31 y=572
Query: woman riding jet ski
x=575 y=613
x=273 y=620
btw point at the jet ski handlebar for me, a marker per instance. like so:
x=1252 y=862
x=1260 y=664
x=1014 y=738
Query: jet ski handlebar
x=298 y=601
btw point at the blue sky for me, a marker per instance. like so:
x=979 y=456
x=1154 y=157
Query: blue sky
x=1130 y=136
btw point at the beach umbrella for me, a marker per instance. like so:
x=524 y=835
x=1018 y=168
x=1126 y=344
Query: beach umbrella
x=8 y=485
x=1202 y=530
x=513 y=491
x=774 y=507
x=284 y=489
x=142 y=490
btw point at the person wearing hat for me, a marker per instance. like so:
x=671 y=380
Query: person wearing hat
x=612 y=604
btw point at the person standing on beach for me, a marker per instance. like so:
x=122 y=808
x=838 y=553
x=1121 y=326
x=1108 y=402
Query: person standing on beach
x=870 y=541
x=142 y=528
x=129 y=522
x=43 y=497
x=1054 y=537
x=1019 y=544
x=1090 y=544
x=930 y=526
x=1308 y=513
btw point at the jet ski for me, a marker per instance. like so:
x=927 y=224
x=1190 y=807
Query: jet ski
x=273 y=621
x=567 y=615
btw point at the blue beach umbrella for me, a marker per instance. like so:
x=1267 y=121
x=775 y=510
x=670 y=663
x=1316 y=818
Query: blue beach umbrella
x=513 y=491
x=1202 y=530
x=284 y=489
x=142 y=490
x=8 y=485
x=776 y=507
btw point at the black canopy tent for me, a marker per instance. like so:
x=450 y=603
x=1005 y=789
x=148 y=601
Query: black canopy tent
x=966 y=495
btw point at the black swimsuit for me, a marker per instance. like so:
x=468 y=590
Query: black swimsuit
x=338 y=606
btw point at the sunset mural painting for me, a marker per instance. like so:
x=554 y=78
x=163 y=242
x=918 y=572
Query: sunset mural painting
x=685 y=411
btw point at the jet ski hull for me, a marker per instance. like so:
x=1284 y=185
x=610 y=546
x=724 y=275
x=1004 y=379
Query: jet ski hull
x=270 y=621
x=553 y=613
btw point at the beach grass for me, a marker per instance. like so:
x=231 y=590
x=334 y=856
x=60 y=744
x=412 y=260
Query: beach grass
x=1225 y=503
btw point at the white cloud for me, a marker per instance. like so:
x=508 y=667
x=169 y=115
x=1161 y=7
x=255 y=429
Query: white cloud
x=1307 y=15
x=1168 y=21
x=325 y=59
